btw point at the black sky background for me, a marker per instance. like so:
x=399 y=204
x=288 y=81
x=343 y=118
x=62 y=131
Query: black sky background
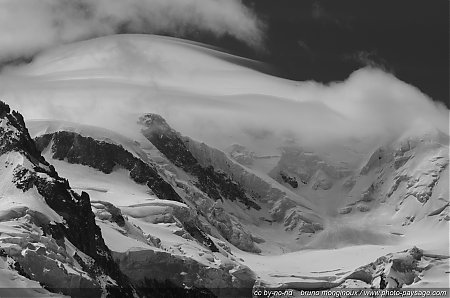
x=326 y=40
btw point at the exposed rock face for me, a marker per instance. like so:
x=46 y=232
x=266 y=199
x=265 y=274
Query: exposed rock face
x=217 y=185
x=78 y=225
x=15 y=137
x=105 y=156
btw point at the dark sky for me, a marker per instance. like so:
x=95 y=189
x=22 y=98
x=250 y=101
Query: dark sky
x=326 y=40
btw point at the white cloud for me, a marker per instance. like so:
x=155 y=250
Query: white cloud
x=110 y=81
x=28 y=26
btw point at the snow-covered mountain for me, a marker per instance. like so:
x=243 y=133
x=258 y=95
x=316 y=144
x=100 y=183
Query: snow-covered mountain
x=187 y=173
x=47 y=228
x=278 y=220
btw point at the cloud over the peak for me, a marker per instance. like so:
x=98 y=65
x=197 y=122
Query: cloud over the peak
x=28 y=26
x=110 y=81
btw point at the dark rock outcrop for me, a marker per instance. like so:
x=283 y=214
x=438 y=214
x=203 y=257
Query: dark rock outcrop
x=14 y=136
x=78 y=220
x=104 y=156
x=217 y=185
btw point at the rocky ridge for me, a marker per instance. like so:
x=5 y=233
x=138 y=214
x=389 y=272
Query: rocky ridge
x=74 y=239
